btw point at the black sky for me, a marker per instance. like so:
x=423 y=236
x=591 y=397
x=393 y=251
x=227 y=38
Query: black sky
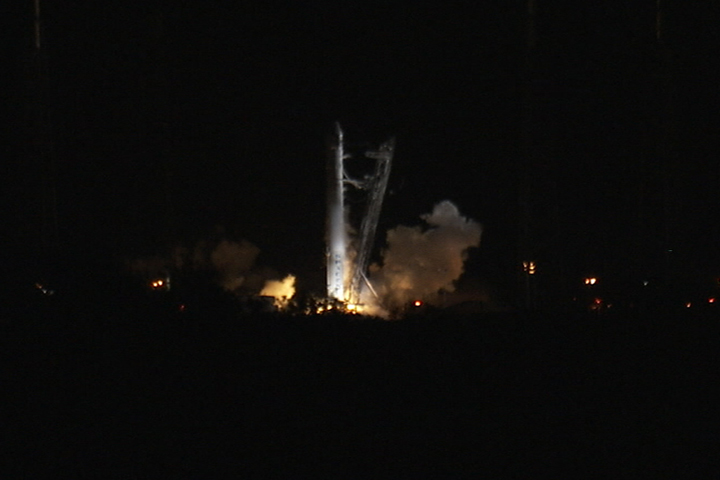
x=167 y=120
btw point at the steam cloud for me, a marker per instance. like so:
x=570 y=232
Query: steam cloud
x=233 y=261
x=232 y=264
x=420 y=262
x=283 y=290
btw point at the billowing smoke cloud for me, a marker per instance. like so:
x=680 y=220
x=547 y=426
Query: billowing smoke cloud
x=419 y=262
x=231 y=263
x=283 y=290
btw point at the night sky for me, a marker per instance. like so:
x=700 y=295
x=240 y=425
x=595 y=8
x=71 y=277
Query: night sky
x=173 y=121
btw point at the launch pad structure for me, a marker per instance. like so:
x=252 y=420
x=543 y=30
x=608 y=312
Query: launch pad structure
x=347 y=261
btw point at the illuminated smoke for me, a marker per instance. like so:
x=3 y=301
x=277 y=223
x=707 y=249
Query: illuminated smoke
x=283 y=290
x=420 y=262
x=233 y=261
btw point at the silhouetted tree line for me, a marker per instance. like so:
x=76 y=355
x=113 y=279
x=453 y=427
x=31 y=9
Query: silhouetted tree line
x=125 y=384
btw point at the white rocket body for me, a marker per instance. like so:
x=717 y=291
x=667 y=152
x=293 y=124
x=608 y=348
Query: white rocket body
x=336 y=231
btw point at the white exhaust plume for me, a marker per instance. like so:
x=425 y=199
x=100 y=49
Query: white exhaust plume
x=420 y=262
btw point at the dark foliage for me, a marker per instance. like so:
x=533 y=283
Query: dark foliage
x=133 y=387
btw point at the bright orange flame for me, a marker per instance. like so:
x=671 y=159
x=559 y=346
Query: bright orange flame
x=711 y=300
x=688 y=304
x=417 y=303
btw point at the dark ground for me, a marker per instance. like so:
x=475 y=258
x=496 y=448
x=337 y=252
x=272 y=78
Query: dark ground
x=124 y=386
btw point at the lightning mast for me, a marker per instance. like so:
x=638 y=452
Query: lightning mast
x=42 y=155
